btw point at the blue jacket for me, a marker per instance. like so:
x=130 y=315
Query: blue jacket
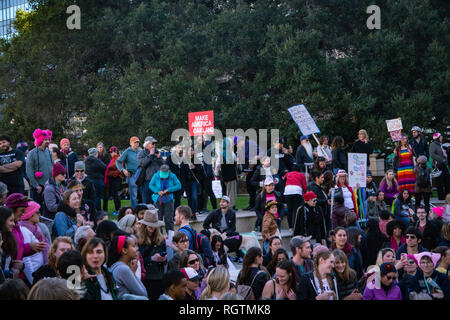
x=402 y=249
x=417 y=283
x=65 y=222
x=155 y=186
x=130 y=159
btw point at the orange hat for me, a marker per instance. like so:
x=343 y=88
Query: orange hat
x=134 y=139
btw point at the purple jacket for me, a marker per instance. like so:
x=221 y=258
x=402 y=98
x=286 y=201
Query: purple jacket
x=389 y=193
x=379 y=294
x=23 y=249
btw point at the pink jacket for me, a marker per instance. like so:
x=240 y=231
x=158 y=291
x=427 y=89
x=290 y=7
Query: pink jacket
x=23 y=249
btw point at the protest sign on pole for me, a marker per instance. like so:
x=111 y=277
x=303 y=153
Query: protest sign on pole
x=396 y=135
x=201 y=123
x=303 y=119
x=357 y=169
x=394 y=124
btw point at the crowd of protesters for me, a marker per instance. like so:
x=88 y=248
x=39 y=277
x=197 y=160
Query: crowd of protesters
x=58 y=242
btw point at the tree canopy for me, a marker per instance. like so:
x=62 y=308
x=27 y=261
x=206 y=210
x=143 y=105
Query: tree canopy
x=138 y=67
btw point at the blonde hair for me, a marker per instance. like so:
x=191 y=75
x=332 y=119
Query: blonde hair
x=364 y=132
x=54 y=247
x=144 y=238
x=386 y=180
x=218 y=281
x=382 y=253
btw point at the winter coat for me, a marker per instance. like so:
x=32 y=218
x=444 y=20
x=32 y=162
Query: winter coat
x=52 y=198
x=269 y=226
x=362 y=147
x=430 y=235
x=283 y=163
x=322 y=198
x=93 y=291
x=191 y=175
x=295 y=178
x=338 y=216
x=346 y=288
x=71 y=158
x=154 y=269
x=214 y=219
x=151 y=163
x=389 y=193
x=417 y=283
x=310 y=221
x=95 y=168
x=173 y=186
x=420 y=148
x=427 y=172
x=403 y=249
x=259 y=280
x=307 y=290
x=437 y=154
x=302 y=157
x=260 y=202
x=65 y=223
x=259 y=176
x=39 y=160
x=23 y=249
x=373 y=211
x=394 y=293
x=340 y=160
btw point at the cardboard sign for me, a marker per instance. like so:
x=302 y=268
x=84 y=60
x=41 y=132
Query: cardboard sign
x=201 y=123
x=394 y=124
x=305 y=122
x=396 y=135
x=357 y=169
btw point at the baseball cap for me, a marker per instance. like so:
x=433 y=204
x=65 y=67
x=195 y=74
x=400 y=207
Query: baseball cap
x=134 y=139
x=226 y=198
x=190 y=274
x=298 y=241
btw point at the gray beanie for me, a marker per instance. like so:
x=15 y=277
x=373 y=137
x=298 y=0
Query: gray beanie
x=3 y=189
x=92 y=151
x=79 y=165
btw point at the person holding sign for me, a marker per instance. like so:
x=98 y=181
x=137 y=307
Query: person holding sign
x=363 y=145
x=404 y=160
x=347 y=191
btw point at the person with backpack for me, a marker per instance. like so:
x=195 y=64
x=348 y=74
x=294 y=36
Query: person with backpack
x=422 y=187
x=197 y=242
x=252 y=279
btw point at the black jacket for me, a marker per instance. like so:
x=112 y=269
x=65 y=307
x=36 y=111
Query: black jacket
x=322 y=198
x=284 y=164
x=215 y=218
x=340 y=160
x=259 y=281
x=417 y=283
x=302 y=157
x=154 y=270
x=306 y=289
x=257 y=177
x=260 y=202
x=95 y=168
x=151 y=163
x=361 y=147
x=89 y=191
x=431 y=235
x=310 y=221
x=421 y=147
x=93 y=286
x=191 y=175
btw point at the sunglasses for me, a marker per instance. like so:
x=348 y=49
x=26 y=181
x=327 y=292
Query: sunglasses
x=193 y=261
x=79 y=170
x=391 y=278
x=410 y=237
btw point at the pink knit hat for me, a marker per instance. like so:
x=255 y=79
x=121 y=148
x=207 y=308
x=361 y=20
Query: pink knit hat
x=63 y=141
x=39 y=136
x=436 y=135
x=57 y=169
x=433 y=256
x=439 y=211
x=33 y=207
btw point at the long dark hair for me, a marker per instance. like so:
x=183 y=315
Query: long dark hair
x=122 y=212
x=249 y=259
x=89 y=247
x=289 y=268
x=216 y=238
x=9 y=242
x=274 y=261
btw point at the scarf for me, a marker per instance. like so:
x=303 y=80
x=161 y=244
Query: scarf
x=67 y=210
x=66 y=152
x=347 y=248
x=394 y=244
x=111 y=163
x=37 y=232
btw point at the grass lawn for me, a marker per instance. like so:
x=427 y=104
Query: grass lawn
x=241 y=202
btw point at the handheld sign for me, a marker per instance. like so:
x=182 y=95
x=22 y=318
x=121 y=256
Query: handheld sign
x=396 y=135
x=357 y=169
x=201 y=123
x=303 y=119
x=394 y=124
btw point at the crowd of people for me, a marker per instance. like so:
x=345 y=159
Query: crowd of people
x=57 y=240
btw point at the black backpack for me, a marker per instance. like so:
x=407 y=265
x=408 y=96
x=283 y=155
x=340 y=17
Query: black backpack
x=423 y=177
x=202 y=246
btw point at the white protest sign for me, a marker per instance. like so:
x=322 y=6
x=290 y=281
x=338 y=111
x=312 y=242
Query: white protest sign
x=303 y=119
x=217 y=188
x=394 y=124
x=357 y=169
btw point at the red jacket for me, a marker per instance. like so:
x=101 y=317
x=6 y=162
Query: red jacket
x=295 y=178
x=111 y=170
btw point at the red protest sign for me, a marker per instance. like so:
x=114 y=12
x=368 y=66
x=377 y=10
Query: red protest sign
x=201 y=123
